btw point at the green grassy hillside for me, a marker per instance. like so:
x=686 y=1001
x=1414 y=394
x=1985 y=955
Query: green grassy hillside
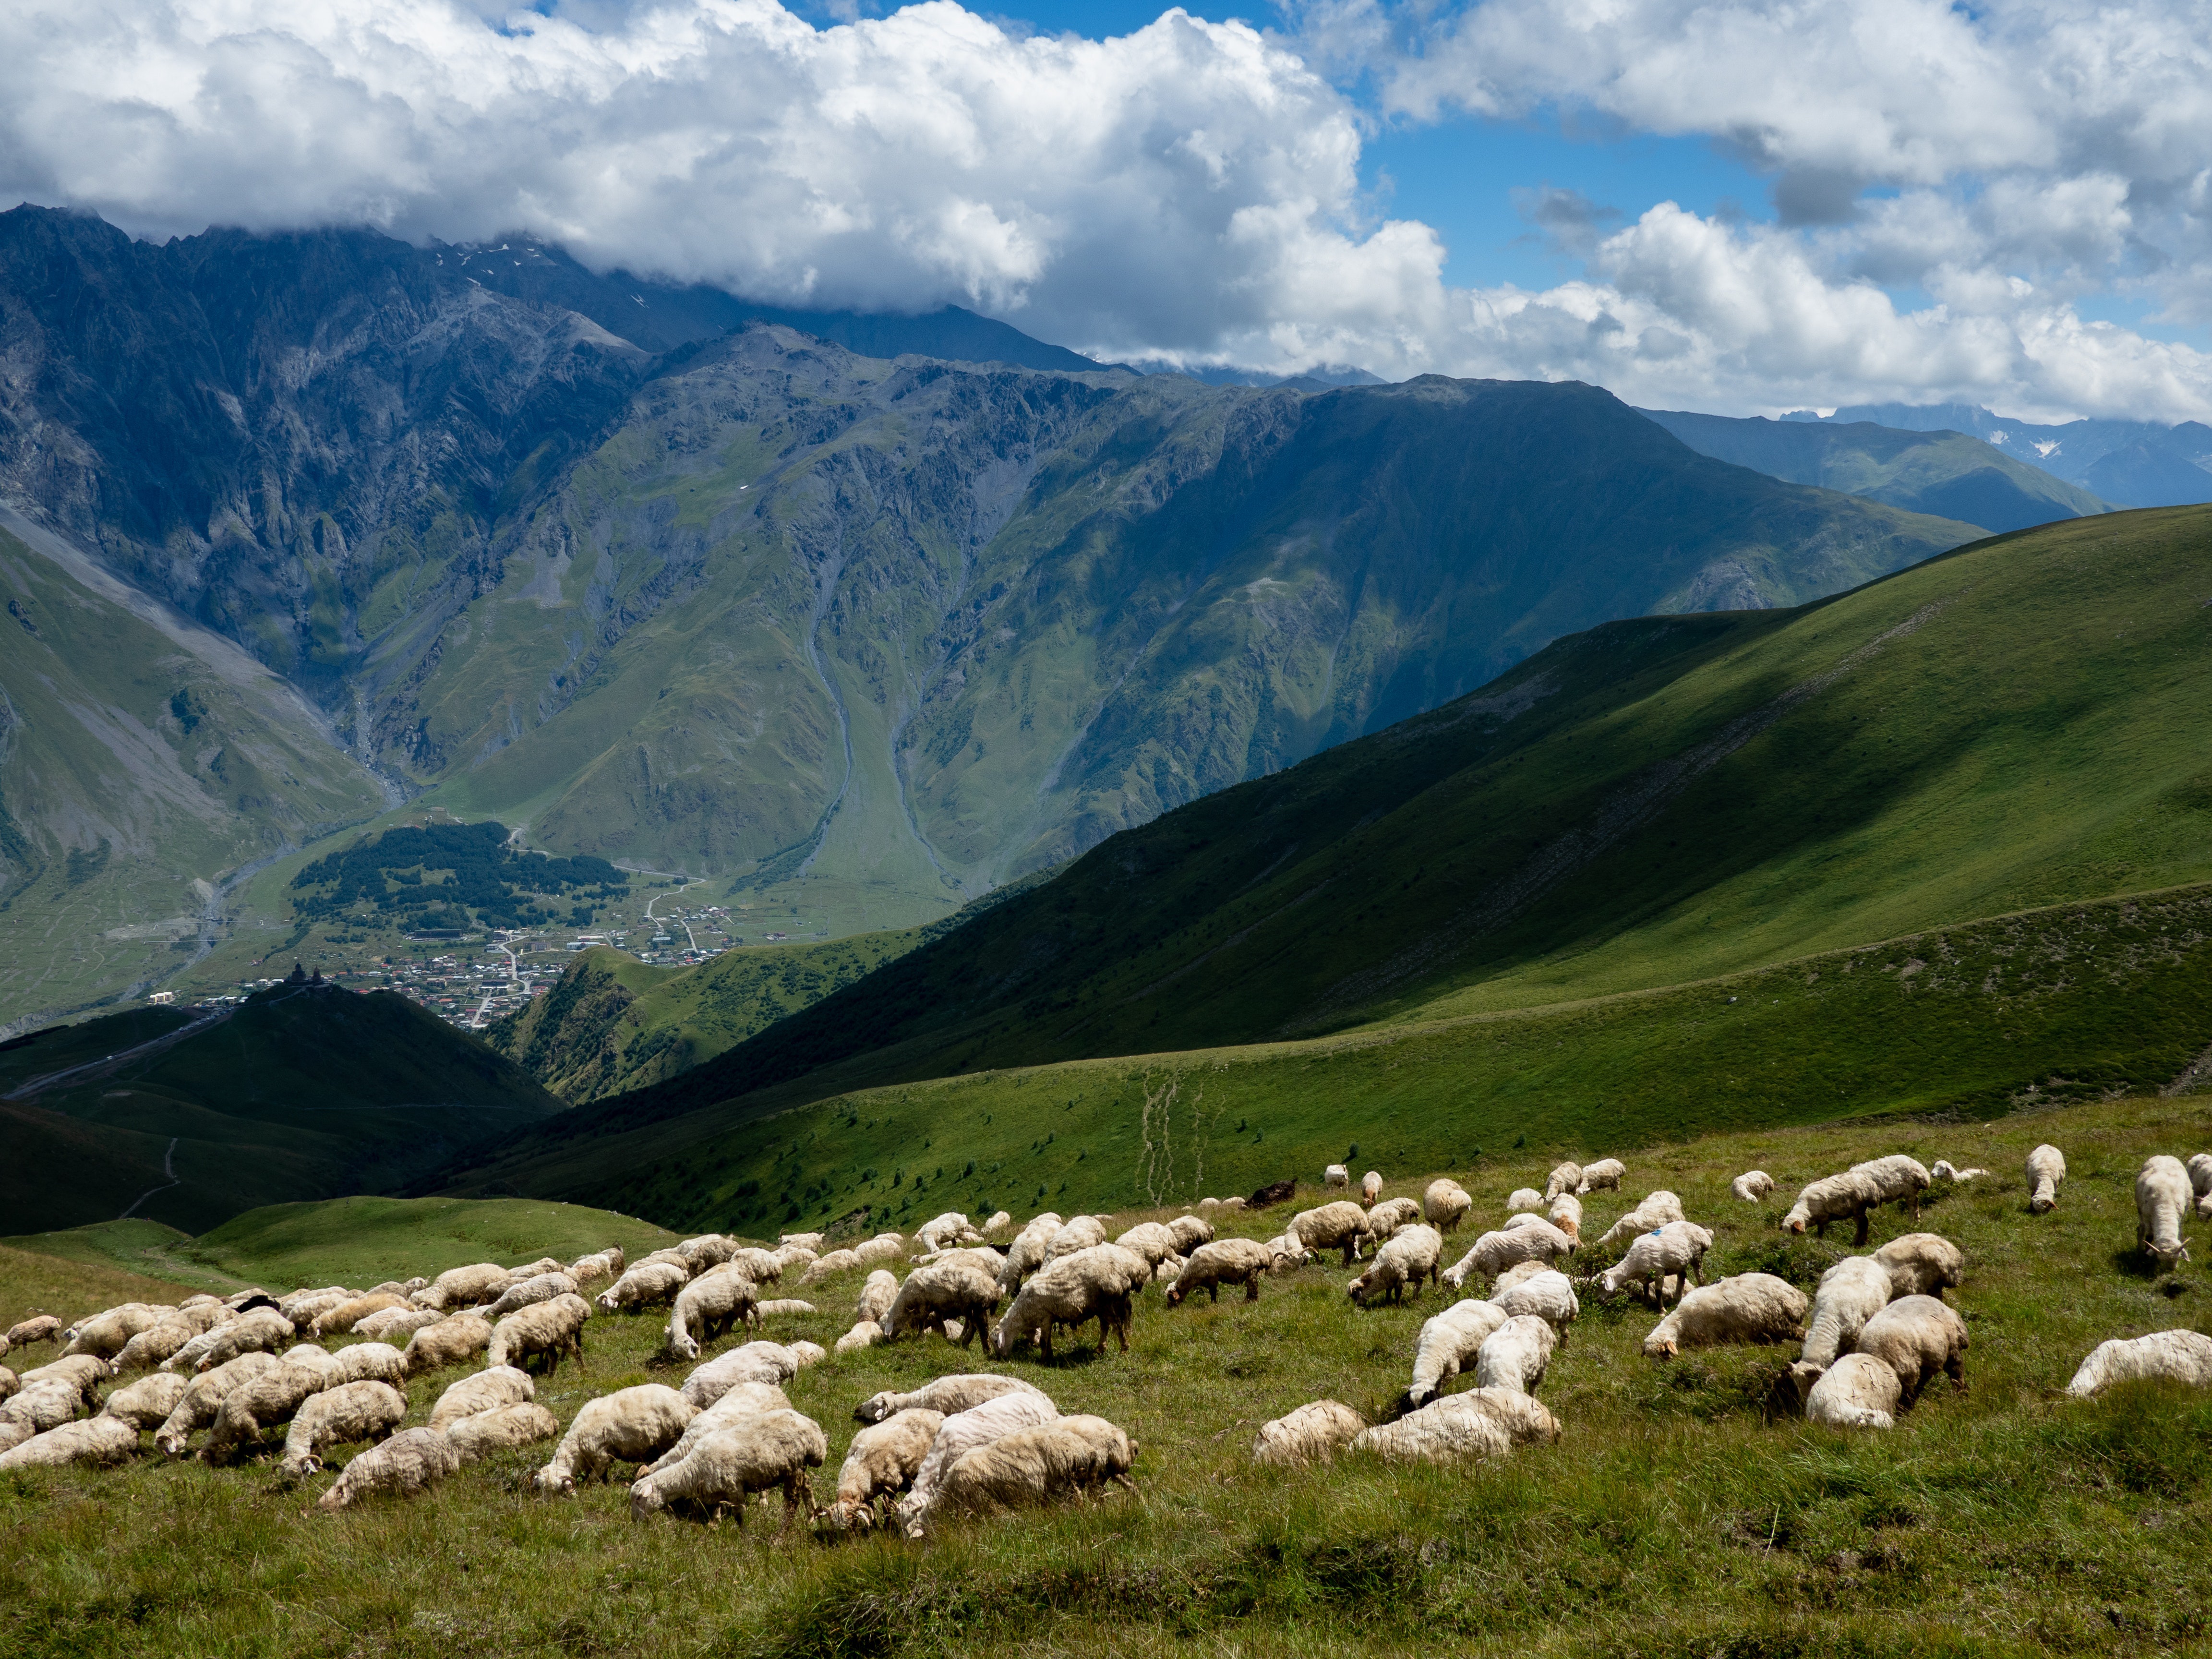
x=1674 y=1517
x=1946 y=473
x=297 y=1093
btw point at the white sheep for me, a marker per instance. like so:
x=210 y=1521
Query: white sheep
x=396 y=1324
x=1480 y=1423
x=804 y=1241
x=261 y=1331
x=1655 y=1210
x=147 y=1403
x=1753 y=1186
x=541 y=1332
x=1444 y=1204
x=999 y=1223
x=1849 y=1294
x=634 y=1425
x=1918 y=1336
x=947 y=1396
x=1745 y=1308
x=2046 y=1168
x=648 y=1284
x=453 y=1340
x=1859 y=1391
x=1524 y=1199
x=1370 y=1188
x=1896 y=1178
x=367 y=1362
x=26 y=1333
x=1606 y=1175
x=339 y=1319
x=707 y=1307
x=1314 y=1433
x=782 y=1307
x=606 y=1264
x=1566 y=1214
x=1448 y=1344
x=1098 y=1283
x=100 y=1440
x=1385 y=1218
x=2183 y=1357
x=463 y=1287
x=1334 y=1176
x=38 y=1409
x=301 y=1307
x=150 y=1347
x=1081 y=1232
x=771 y=1452
x=1034 y=1466
x=1564 y=1178
x=865 y=1333
x=408 y=1464
x=1944 y=1169
x=708 y=1250
x=1516 y=1355
x=1339 y=1225
x=1845 y=1197
x=204 y=1396
x=1027 y=1252
x=1676 y=1251
x=1409 y=1256
x=1549 y=1294
x=755 y=1362
x=528 y=1292
x=961 y=1433
x=744 y=1400
x=2163 y=1198
x=1192 y=1231
x=881 y=1463
x=1152 y=1241
x=884 y=1247
x=828 y=1266
x=1922 y=1264
x=875 y=1295
x=503 y=1428
x=482 y=1391
x=1536 y=1240
x=1224 y=1261
x=250 y=1410
x=341 y=1416
x=951 y=1288
x=103 y=1335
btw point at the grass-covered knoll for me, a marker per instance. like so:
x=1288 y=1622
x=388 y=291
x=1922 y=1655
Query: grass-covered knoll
x=138 y=1248
x=1674 y=1516
x=613 y=1022
x=2055 y=1005
x=54 y=1274
x=298 y=1093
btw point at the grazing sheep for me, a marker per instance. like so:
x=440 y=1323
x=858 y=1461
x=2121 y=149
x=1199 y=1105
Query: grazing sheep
x=503 y=1428
x=2183 y=1357
x=104 y=1333
x=82 y=1372
x=1516 y=1355
x=1340 y=1225
x=1896 y=1178
x=2200 y=1179
x=1407 y=1259
x=24 y=1332
x=1746 y=1308
x=1336 y=1176
x=1537 y=1240
x=1606 y=1175
x=999 y=1223
x=1842 y=1197
x=1654 y=1210
x=1481 y=1423
x=2046 y=1168
x=483 y=1391
x=1314 y=1433
x=648 y=1284
x=1524 y=1200
x=1857 y=1392
x=865 y=1333
x=204 y=1396
x=40 y=1409
x=10 y=1384
x=1564 y=1178
x=962 y=1432
x=884 y=1247
x=1447 y=1343
x=755 y=1362
x=367 y=1362
x=343 y=1416
x=1944 y=1170
x=1097 y=1283
x=1150 y=1240
x=762 y=1267
x=1370 y=1188
x=1081 y=1232
x=339 y=1319
x=317 y=1360
x=1445 y=1203
x=881 y=1463
x=529 y=1292
x=1036 y=1466
x=782 y=1307
x=152 y=1346
x=408 y=1464
x=262 y=1331
x=825 y=1267
x=744 y=1400
x=948 y=1231
x=1753 y=1186
x=98 y=1440
x=634 y=1425
x=948 y=1397
x=453 y=1340
x=951 y=1288
x=463 y=1287
x=771 y=1452
x=600 y=1264
x=147 y=1403
x=396 y=1324
x=708 y=1250
x=250 y=1411
x=1677 y=1250
x=877 y=1295
x=1385 y=1218
x=1849 y=1294
x=804 y=1241
x=1549 y=1295
x=1922 y=1264
x=1027 y=1253
x=719 y=1298
x=1917 y=1336
x=2163 y=1198
x=1285 y=1254
x=1190 y=1230
x=542 y=1332
x=1566 y=1214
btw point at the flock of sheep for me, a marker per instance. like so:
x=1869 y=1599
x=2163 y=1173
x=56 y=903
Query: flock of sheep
x=227 y=1378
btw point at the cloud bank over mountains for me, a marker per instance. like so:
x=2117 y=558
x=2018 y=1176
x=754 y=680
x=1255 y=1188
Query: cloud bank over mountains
x=1959 y=193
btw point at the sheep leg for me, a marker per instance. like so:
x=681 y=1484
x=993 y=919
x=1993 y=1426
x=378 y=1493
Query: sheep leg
x=1859 y=1237
x=1251 y=1289
x=1214 y=1290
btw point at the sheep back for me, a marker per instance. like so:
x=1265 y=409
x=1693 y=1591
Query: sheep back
x=1314 y=1433
x=407 y=1465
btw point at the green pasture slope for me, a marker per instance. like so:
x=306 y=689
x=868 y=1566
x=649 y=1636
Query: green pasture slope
x=2015 y=727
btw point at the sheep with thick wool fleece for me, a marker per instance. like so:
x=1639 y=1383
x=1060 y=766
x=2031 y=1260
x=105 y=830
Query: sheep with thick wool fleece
x=707 y=1307
x=1098 y=1283
x=946 y=1231
x=38 y=1409
x=961 y=1433
x=881 y=1462
x=368 y=1362
x=310 y=1356
x=813 y=1242
x=1653 y=1211
x=1444 y=1204
x=671 y=1258
x=1944 y=1170
x=1516 y=1355
x=503 y=1428
x=340 y=1319
x=98 y=1441
x=826 y=1266
x=708 y=1250
x=1370 y=1188
x=1027 y=1253
x=951 y=1288
x=782 y=1307
x=9 y=1382
x=1859 y=1391
x=1676 y=1251
x=1564 y=1178
x=1034 y=1466
x=407 y=1465
x=41 y=1328
x=269 y=1401
x=865 y=1333
x=1480 y=1423
x=884 y=1247
x=1151 y=1240
x=1314 y=1433
x=1897 y=1178
x=1752 y=1185
x=1922 y=1264
x=606 y=1264
x=1190 y=1231
x=83 y=1372
x=1448 y=1344
x=152 y=1346
x=453 y=1340
x=483 y=1391
x=103 y=1335
x=396 y=1325
x=1409 y=1257
x=147 y=1403
x=463 y=1287
x=648 y=1284
x=262 y=1331
x=529 y=1292
x=948 y=1397
x=1916 y=1337
x=2200 y=1180
x=1000 y=1221
x=1385 y=1218
x=343 y=1416
x=1081 y=1232
x=1604 y=1176
x=762 y=1267
x=1524 y=1199
x=1336 y=1176
x=1339 y=1225
x=1845 y=1197
x=1519 y=1273
x=745 y=1399
x=631 y=1426
x=2183 y=1357
x=755 y=1362
x=1494 y=1252
x=767 y=1453
x=2046 y=1169
x=2163 y=1199
x=204 y=1396
x=1566 y=1214
x=302 y=1307
x=1745 y=1308
x=543 y=1331
x=1849 y=1294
